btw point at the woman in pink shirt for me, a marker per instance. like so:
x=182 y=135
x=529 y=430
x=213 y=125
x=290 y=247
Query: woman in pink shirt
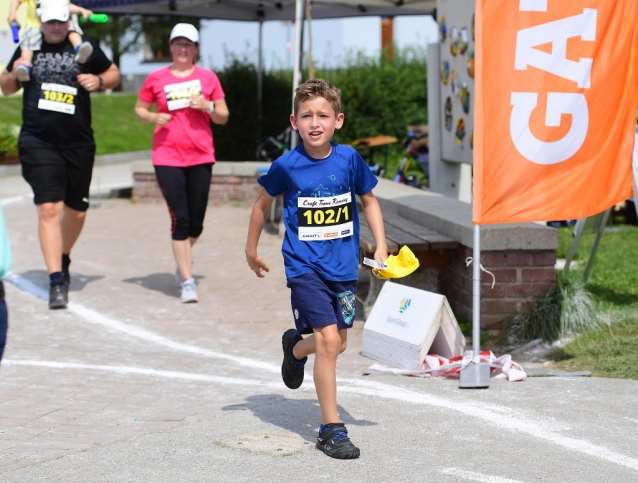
x=187 y=97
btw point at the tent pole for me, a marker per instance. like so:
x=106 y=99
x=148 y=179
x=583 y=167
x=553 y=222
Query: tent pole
x=296 y=75
x=260 y=76
x=476 y=375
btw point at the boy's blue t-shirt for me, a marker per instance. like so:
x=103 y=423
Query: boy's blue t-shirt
x=320 y=210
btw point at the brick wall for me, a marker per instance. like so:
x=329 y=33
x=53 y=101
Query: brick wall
x=223 y=189
x=521 y=277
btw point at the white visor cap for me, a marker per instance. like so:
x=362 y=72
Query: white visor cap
x=186 y=30
x=54 y=10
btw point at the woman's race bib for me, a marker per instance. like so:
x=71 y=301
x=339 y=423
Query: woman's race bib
x=58 y=98
x=178 y=95
x=325 y=218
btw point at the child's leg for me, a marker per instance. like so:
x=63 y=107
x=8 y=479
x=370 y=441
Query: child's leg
x=327 y=343
x=26 y=57
x=75 y=38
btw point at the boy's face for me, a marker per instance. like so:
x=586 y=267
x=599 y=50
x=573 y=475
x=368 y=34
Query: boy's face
x=316 y=122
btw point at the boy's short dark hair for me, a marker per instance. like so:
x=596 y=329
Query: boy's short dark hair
x=318 y=88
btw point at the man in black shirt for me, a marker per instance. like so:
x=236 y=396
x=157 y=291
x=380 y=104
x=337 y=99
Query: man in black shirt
x=56 y=145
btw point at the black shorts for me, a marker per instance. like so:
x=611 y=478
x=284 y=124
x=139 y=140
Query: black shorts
x=58 y=174
x=317 y=302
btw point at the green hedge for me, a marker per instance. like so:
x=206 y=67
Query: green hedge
x=379 y=96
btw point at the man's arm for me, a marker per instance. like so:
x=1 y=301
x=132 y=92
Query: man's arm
x=372 y=212
x=9 y=83
x=110 y=78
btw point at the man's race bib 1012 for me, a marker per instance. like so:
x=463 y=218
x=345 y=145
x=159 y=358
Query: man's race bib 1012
x=325 y=218
x=58 y=98
x=178 y=95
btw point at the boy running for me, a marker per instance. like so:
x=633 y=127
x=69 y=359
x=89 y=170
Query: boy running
x=320 y=180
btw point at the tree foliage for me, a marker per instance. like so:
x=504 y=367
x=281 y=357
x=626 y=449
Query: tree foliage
x=121 y=34
x=379 y=96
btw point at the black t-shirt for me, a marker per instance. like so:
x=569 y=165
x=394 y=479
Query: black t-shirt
x=55 y=107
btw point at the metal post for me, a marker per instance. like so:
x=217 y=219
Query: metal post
x=600 y=229
x=476 y=375
x=296 y=75
x=260 y=76
x=476 y=296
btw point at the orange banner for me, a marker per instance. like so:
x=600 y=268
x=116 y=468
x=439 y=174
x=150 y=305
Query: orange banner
x=555 y=109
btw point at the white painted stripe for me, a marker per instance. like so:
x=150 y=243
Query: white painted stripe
x=13 y=199
x=543 y=430
x=189 y=376
x=469 y=475
x=97 y=318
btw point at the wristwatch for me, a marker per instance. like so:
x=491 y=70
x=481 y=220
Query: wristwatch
x=100 y=80
x=212 y=107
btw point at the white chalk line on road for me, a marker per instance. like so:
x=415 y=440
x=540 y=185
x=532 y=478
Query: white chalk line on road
x=535 y=428
x=14 y=199
x=97 y=318
x=480 y=477
x=126 y=370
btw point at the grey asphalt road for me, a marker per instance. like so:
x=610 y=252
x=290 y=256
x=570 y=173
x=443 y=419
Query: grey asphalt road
x=128 y=384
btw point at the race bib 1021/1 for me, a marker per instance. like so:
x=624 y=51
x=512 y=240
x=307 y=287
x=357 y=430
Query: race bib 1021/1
x=325 y=218
x=58 y=98
x=178 y=95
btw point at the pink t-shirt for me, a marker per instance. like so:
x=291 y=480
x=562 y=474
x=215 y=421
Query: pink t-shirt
x=187 y=139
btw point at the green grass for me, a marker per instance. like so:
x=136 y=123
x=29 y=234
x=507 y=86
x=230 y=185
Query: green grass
x=116 y=128
x=613 y=350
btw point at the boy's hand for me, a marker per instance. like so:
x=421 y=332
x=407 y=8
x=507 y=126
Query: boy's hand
x=86 y=13
x=381 y=254
x=257 y=265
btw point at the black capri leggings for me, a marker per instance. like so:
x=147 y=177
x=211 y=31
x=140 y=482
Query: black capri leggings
x=186 y=193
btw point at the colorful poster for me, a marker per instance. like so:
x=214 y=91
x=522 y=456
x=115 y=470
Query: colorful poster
x=555 y=108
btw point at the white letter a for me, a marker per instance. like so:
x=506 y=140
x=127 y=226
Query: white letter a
x=557 y=33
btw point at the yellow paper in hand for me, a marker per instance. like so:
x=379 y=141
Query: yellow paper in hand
x=398 y=266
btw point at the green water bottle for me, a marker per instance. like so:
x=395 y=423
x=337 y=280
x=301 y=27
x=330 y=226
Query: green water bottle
x=96 y=18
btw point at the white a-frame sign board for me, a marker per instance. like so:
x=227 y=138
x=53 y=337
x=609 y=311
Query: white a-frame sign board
x=407 y=323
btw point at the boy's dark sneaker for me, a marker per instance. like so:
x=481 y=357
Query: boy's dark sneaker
x=58 y=296
x=334 y=441
x=291 y=371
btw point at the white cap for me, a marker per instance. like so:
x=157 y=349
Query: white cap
x=54 y=10
x=185 y=30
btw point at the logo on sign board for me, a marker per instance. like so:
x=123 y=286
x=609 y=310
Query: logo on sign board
x=405 y=303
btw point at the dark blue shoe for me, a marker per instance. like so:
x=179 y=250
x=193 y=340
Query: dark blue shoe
x=334 y=441
x=291 y=372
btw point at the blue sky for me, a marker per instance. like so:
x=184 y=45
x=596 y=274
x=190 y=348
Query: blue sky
x=331 y=40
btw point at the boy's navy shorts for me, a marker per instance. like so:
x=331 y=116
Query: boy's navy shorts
x=317 y=302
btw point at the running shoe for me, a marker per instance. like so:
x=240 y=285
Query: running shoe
x=83 y=52
x=334 y=441
x=189 y=291
x=23 y=73
x=58 y=296
x=291 y=372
